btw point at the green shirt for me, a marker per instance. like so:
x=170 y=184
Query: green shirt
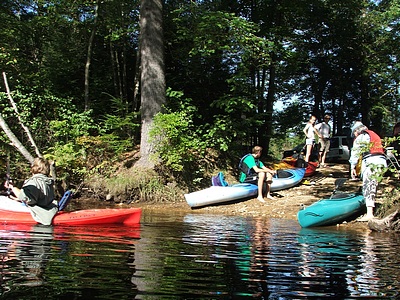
x=250 y=162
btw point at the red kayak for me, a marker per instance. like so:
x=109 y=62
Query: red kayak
x=311 y=168
x=125 y=216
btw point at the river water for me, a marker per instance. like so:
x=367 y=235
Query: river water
x=198 y=256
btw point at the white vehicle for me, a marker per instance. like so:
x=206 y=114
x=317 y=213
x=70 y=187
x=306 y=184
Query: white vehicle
x=339 y=149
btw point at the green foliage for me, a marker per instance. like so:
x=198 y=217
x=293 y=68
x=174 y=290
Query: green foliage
x=71 y=125
x=69 y=159
x=87 y=155
x=50 y=119
x=73 y=139
x=121 y=122
x=390 y=202
x=178 y=144
x=181 y=145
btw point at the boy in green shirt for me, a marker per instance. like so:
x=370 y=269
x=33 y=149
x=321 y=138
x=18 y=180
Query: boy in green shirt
x=254 y=171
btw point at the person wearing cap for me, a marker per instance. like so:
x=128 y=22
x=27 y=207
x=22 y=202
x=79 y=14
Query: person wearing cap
x=325 y=130
x=367 y=146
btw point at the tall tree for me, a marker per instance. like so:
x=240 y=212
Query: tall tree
x=89 y=55
x=152 y=72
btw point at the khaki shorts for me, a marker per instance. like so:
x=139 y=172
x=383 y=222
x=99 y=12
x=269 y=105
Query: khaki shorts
x=325 y=145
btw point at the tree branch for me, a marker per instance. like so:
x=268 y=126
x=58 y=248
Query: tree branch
x=26 y=129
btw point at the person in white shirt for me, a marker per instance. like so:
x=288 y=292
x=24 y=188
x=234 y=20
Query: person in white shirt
x=325 y=130
x=310 y=132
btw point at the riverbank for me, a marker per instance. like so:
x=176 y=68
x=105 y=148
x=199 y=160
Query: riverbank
x=286 y=204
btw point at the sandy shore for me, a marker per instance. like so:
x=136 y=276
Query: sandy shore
x=286 y=204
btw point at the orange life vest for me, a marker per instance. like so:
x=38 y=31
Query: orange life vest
x=376 y=147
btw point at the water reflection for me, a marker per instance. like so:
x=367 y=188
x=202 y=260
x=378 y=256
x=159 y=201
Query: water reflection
x=67 y=262
x=198 y=256
x=348 y=258
x=235 y=257
x=27 y=261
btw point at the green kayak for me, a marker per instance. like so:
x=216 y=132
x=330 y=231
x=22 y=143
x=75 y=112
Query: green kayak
x=341 y=207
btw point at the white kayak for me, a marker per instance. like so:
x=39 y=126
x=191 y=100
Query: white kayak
x=13 y=205
x=220 y=194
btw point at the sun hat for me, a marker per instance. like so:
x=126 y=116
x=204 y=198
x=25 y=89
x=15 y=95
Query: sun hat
x=356 y=125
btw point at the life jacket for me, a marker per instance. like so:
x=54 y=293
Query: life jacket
x=375 y=140
x=245 y=168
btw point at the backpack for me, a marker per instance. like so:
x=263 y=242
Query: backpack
x=219 y=180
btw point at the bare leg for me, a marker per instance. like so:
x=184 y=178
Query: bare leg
x=268 y=191
x=308 y=152
x=323 y=158
x=260 y=183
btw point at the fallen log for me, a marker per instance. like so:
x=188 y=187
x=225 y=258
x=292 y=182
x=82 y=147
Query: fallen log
x=389 y=223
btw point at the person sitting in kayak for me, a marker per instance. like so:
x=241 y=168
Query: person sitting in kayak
x=254 y=171
x=37 y=192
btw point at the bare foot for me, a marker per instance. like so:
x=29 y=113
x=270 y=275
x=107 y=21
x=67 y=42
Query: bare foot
x=270 y=197
x=261 y=199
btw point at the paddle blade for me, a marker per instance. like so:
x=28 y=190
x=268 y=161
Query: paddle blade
x=65 y=200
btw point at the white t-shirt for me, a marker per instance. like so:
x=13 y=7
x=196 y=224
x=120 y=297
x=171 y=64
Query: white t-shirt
x=310 y=131
x=324 y=129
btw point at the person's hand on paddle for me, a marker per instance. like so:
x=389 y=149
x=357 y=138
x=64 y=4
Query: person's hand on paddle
x=10 y=187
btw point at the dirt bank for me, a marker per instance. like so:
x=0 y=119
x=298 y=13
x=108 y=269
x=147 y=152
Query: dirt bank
x=287 y=202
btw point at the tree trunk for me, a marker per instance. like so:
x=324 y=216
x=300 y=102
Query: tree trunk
x=26 y=129
x=114 y=68
x=14 y=140
x=270 y=101
x=389 y=223
x=152 y=73
x=136 y=99
x=89 y=57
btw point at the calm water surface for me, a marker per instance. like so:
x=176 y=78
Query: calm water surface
x=198 y=256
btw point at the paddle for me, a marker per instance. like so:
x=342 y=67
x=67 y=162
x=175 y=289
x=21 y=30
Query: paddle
x=65 y=200
x=338 y=183
x=8 y=176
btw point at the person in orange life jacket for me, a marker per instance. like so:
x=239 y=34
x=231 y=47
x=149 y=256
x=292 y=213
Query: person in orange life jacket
x=252 y=169
x=373 y=163
x=325 y=130
x=310 y=131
